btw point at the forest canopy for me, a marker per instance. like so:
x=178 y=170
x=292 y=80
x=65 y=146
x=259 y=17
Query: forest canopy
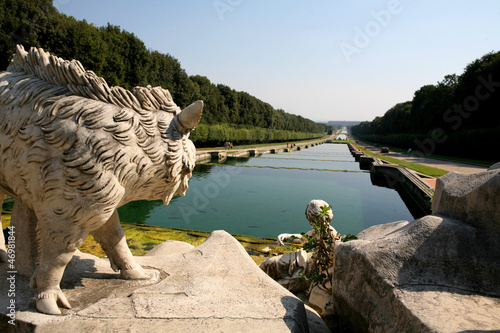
x=123 y=60
x=458 y=116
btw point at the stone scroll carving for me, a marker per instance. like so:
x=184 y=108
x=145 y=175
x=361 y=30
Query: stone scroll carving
x=72 y=150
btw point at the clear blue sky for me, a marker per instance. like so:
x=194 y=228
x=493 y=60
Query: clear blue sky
x=323 y=59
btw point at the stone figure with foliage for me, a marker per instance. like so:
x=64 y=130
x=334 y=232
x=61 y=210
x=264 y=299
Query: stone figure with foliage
x=309 y=269
x=322 y=244
x=73 y=149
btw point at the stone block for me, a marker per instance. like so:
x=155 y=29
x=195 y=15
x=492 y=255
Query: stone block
x=435 y=274
x=472 y=198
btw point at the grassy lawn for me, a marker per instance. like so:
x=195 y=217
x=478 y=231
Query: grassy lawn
x=426 y=170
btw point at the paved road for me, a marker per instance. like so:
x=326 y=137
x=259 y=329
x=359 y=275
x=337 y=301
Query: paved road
x=433 y=162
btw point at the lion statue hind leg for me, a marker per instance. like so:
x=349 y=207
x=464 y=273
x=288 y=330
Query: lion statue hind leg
x=112 y=239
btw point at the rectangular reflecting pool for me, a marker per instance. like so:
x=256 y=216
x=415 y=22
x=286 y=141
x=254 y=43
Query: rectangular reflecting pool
x=267 y=195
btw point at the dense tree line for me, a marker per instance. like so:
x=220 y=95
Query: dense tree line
x=457 y=117
x=123 y=60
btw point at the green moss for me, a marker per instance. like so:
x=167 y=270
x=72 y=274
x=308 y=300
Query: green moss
x=5 y=220
x=91 y=246
x=142 y=238
x=259 y=259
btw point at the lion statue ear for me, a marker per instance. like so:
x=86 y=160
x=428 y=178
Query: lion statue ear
x=189 y=117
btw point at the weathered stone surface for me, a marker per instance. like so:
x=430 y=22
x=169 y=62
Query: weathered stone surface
x=433 y=274
x=215 y=287
x=473 y=198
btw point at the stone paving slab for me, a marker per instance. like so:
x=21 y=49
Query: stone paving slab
x=215 y=287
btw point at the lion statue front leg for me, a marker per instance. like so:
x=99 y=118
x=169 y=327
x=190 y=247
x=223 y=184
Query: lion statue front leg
x=54 y=255
x=56 y=248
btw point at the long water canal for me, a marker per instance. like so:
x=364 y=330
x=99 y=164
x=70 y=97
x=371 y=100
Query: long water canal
x=267 y=195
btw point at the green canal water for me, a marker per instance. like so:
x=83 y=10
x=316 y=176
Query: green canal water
x=267 y=195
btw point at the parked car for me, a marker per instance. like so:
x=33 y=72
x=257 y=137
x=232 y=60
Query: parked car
x=384 y=150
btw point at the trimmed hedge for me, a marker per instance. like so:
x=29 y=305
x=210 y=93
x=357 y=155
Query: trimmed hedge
x=206 y=135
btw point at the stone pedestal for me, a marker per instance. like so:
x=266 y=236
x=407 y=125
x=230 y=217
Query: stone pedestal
x=215 y=287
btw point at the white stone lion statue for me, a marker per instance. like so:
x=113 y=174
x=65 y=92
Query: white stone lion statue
x=72 y=150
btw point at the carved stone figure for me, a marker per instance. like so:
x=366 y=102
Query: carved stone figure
x=287 y=268
x=73 y=149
